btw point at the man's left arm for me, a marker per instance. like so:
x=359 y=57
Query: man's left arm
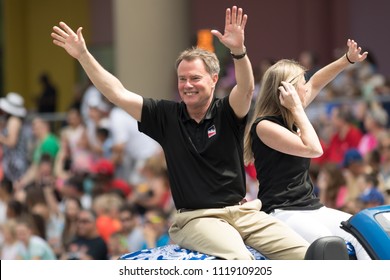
x=233 y=38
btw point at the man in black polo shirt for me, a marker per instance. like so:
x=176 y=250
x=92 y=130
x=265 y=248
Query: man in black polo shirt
x=202 y=138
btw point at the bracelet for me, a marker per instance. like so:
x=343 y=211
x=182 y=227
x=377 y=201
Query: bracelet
x=346 y=55
x=238 y=56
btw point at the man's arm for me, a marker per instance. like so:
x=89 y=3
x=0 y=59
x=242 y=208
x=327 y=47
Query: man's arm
x=233 y=39
x=74 y=43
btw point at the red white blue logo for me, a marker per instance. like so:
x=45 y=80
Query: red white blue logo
x=211 y=131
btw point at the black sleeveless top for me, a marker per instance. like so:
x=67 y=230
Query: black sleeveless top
x=284 y=181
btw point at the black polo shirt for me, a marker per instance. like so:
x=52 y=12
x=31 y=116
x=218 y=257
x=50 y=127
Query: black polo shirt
x=205 y=160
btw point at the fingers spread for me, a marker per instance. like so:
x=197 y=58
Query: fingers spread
x=58 y=43
x=234 y=15
x=244 y=20
x=227 y=18
x=239 y=17
x=67 y=29
x=60 y=32
x=57 y=37
x=216 y=33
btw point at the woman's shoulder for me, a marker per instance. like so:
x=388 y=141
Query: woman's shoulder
x=275 y=119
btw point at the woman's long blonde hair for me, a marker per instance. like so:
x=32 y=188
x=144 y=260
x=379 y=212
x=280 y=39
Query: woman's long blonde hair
x=268 y=103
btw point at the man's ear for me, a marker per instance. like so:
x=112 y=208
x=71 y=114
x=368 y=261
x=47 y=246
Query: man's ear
x=215 y=79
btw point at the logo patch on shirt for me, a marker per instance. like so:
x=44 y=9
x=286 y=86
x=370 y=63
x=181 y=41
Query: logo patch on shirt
x=211 y=131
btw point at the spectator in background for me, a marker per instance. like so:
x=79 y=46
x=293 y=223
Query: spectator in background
x=332 y=186
x=46 y=142
x=353 y=168
x=45 y=172
x=16 y=209
x=375 y=124
x=35 y=247
x=90 y=93
x=73 y=188
x=13 y=138
x=155 y=229
x=384 y=169
x=106 y=206
x=309 y=60
x=131 y=227
x=72 y=209
x=48 y=208
x=370 y=196
x=86 y=244
x=43 y=176
x=345 y=135
x=74 y=141
x=103 y=134
x=98 y=111
x=47 y=98
x=6 y=195
x=130 y=147
x=10 y=245
x=372 y=161
x=104 y=180
x=116 y=246
x=154 y=191
x=70 y=181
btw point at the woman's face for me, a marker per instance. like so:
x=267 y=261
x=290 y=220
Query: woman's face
x=302 y=89
x=23 y=233
x=72 y=208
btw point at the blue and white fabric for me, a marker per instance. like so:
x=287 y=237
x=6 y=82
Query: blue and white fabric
x=174 y=252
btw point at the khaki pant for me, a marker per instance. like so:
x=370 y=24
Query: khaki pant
x=224 y=232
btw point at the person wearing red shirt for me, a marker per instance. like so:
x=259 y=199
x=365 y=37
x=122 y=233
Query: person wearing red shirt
x=346 y=136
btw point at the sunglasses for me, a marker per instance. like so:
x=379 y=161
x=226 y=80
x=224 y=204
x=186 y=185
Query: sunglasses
x=84 y=221
x=294 y=78
x=125 y=219
x=154 y=220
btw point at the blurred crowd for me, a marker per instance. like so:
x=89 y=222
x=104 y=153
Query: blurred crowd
x=94 y=187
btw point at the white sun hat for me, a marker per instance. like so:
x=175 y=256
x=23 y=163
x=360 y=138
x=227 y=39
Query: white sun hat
x=13 y=104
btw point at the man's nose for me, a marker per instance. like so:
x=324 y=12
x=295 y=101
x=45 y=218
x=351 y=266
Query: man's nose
x=188 y=83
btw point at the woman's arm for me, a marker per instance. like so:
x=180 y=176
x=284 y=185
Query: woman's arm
x=305 y=143
x=326 y=74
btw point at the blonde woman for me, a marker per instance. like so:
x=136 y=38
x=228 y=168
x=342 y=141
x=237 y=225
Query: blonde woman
x=282 y=141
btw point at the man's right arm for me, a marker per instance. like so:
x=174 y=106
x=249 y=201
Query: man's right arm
x=74 y=43
x=111 y=87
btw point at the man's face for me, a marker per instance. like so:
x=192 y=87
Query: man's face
x=127 y=221
x=85 y=224
x=195 y=84
x=37 y=127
